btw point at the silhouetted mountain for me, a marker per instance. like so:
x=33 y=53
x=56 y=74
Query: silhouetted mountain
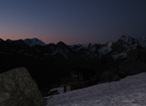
x=123 y=46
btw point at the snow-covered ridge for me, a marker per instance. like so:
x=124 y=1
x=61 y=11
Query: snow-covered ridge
x=33 y=42
x=130 y=91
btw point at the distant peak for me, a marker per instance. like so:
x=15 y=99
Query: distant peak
x=9 y=40
x=128 y=39
x=61 y=43
x=34 y=42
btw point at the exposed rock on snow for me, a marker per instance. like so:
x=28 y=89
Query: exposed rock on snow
x=130 y=91
x=17 y=88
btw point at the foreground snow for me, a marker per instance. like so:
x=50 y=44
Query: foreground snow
x=130 y=91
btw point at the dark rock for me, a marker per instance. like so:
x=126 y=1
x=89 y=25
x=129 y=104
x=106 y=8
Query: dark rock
x=17 y=88
x=108 y=76
x=133 y=64
x=131 y=67
x=142 y=55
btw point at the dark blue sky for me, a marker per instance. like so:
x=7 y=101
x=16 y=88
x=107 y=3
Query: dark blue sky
x=72 y=21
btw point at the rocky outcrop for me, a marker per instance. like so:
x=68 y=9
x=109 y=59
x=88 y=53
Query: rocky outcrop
x=17 y=88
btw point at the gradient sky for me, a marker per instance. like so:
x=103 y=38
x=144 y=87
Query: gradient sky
x=72 y=21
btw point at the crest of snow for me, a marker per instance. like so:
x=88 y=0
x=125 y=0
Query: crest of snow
x=105 y=49
x=33 y=42
x=120 y=55
x=130 y=91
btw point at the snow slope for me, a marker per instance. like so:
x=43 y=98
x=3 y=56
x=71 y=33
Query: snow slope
x=130 y=91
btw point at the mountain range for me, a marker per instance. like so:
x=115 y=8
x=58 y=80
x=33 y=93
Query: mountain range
x=35 y=46
x=52 y=65
x=117 y=49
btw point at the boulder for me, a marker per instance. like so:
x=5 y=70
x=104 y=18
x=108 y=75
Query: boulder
x=17 y=88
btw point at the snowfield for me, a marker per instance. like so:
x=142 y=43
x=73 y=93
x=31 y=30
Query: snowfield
x=130 y=91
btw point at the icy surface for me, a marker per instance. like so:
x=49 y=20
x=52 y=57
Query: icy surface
x=130 y=91
x=105 y=49
x=121 y=55
x=33 y=42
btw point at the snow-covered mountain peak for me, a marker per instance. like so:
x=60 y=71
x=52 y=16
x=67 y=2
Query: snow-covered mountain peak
x=60 y=43
x=128 y=40
x=9 y=40
x=33 y=42
x=125 y=43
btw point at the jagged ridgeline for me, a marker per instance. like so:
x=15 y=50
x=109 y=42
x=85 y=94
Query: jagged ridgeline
x=52 y=65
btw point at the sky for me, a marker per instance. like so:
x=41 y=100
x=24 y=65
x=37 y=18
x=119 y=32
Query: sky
x=72 y=21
